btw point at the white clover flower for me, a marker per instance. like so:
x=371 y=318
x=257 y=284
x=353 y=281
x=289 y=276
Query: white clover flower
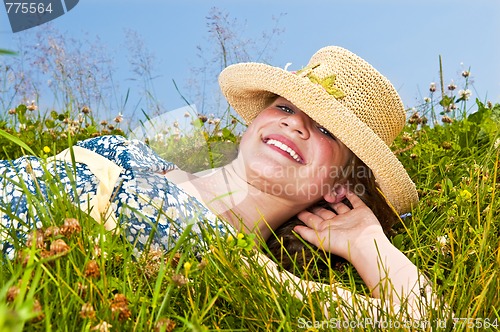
x=442 y=240
x=442 y=244
x=464 y=94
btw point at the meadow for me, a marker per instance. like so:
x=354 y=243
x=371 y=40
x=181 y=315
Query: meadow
x=69 y=274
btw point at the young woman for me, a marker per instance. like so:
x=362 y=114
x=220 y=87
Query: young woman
x=307 y=132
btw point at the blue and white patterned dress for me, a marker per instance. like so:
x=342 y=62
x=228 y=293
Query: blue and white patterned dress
x=147 y=206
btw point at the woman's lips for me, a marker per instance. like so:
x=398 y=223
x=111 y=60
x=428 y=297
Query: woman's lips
x=285 y=147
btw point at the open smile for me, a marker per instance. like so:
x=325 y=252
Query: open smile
x=286 y=148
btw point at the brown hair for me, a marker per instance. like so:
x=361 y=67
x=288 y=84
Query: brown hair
x=294 y=253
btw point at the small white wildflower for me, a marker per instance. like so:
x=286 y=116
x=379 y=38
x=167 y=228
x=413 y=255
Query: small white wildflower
x=442 y=244
x=102 y=327
x=496 y=145
x=432 y=87
x=464 y=94
x=442 y=240
x=427 y=99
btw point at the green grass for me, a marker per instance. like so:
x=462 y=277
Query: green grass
x=94 y=279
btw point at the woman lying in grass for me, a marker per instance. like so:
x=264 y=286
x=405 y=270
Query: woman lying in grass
x=320 y=134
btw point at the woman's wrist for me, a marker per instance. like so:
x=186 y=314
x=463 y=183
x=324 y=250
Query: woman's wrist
x=367 y=243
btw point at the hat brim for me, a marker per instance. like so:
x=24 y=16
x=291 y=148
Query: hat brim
x=249 y=87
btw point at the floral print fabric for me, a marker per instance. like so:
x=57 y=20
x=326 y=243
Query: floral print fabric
x=147 y=205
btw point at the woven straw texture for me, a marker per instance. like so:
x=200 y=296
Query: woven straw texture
x=367 y=118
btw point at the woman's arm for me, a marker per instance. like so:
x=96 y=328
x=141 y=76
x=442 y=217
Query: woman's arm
x=346 y=303
x=356 y=235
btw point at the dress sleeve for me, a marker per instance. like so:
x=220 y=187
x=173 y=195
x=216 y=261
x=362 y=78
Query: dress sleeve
x=107 y=173
x=128 y=153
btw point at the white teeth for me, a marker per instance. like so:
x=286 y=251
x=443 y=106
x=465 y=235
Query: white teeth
x=285 y=148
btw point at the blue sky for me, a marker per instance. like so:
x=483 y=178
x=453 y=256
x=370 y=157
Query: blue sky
x=402 y=39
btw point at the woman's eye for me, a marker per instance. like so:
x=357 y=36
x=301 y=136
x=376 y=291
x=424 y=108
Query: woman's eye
x=326 y=132
x=286 y=109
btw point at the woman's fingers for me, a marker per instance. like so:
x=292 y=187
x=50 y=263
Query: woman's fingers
x=323 y=213
x=310 y=234
x=340 y=208
x=312 y=220
x=337 y=231
x=355 y=200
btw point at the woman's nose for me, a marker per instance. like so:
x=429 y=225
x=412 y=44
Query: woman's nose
x=297 y=123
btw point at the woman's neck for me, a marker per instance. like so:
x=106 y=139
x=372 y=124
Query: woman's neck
x=225 y=192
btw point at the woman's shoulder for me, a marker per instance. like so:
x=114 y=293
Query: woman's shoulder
x=102 y=143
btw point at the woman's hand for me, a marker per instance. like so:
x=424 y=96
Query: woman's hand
x=357 y=235
x=344 y=232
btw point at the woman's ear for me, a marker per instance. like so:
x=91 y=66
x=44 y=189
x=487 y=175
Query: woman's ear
x=336 y=195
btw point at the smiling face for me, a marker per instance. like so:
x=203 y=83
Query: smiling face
x=286 y=153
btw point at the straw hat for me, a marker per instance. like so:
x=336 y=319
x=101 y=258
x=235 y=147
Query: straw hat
x=344 y=94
